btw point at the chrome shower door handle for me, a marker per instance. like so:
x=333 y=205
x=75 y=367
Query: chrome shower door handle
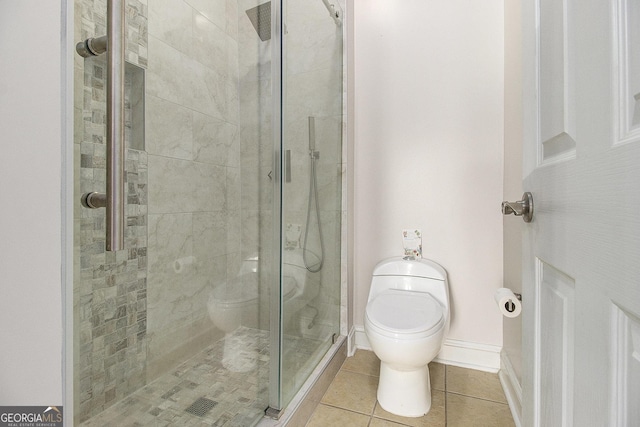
x=115 y=125
x=287 y=166
x=113 y=200
x=523 y=208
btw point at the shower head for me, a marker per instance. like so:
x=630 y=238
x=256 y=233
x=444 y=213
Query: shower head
x=260 y=17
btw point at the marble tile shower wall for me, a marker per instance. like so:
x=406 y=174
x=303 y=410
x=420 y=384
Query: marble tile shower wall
x=110 y=290
x=256 y=152
x=194 y=171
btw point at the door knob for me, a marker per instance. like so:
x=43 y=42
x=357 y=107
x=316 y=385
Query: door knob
x=523 y=208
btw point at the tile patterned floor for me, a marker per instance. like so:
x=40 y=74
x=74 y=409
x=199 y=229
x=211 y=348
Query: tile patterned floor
x=460 y=398
x=236 y=397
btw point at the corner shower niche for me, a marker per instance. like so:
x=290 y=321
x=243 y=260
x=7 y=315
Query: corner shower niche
x=134 y=106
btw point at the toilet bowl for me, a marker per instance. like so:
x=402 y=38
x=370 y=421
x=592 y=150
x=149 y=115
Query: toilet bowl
x=406 y=321
x=233 y=303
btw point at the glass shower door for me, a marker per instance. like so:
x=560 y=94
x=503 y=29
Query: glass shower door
x=180 y=327
x=311 y=186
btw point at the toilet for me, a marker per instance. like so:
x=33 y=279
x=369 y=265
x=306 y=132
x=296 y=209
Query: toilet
x=234 y=303
x=406 y=320
x=230 y=301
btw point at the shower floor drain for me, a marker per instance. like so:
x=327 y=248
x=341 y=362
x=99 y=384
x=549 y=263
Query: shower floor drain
x=201 y=406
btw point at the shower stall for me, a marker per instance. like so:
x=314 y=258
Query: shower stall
x=224 y=291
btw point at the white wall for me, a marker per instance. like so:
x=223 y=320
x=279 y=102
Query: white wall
x=429 y=147
x=30 y=188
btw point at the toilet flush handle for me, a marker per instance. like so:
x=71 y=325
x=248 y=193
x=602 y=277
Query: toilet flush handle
x=523 y=208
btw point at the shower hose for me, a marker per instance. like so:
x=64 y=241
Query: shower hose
x=313 y=194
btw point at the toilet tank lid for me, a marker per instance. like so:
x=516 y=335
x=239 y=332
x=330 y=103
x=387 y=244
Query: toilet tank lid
x=398 y=266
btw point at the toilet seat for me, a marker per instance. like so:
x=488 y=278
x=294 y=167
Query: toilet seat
x=405 y=314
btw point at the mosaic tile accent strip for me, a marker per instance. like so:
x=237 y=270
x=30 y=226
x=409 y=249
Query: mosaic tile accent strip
x=110 y=289
x=94 y=24
x=112 y=293
x=137 y=37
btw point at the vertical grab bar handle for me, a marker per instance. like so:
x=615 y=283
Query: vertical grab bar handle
x=115 y=125
x=113 y=198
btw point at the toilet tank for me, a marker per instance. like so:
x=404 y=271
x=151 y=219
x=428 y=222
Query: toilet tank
x=420 y=275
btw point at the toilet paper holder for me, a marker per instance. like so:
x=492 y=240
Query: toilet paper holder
x=509 y=302
x=510 y=306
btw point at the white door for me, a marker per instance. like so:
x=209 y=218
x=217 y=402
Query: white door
x=581 y=255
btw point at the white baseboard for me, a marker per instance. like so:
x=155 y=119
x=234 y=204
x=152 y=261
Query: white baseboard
x=351 y=342
x=512 y=388
x=481 y=357
x=362 y=342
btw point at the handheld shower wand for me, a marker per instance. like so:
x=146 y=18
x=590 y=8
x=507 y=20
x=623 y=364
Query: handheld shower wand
x=313 y=193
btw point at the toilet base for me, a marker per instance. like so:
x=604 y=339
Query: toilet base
x=404 y=393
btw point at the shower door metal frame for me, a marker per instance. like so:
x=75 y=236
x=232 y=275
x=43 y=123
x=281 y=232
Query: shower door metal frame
x=275 y=309
x=279 y=89
x=67 y=203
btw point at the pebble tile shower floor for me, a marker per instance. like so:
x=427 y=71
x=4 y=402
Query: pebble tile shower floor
x=202 y=391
